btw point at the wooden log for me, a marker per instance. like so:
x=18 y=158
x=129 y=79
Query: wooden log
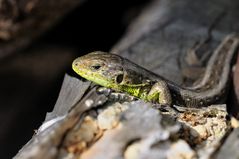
x=159 y=40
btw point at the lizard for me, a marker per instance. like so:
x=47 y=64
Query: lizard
x=120 y=74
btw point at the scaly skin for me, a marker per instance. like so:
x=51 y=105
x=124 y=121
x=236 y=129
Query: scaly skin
x=120 y=74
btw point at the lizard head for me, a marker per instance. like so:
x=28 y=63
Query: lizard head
x=100 y=67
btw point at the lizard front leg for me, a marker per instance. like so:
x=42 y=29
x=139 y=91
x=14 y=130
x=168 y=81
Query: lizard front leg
x=160 y=93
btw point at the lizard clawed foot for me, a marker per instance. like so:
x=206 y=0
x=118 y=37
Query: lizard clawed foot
x=115 y=96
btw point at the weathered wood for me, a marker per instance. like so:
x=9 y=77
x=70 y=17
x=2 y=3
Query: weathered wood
x=47 y=141
x=230 y=148
x=132 y=139
x=30 y=82
x=234 y=93
x=159 y=40
x=167 y=30
x=72 y=90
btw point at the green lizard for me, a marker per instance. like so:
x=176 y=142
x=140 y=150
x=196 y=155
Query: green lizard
x=115 y=72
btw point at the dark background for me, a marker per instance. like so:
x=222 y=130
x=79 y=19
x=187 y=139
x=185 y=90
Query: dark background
x=31 y=79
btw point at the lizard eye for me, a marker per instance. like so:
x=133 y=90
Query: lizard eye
x=119 y=78
x=95 y=67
